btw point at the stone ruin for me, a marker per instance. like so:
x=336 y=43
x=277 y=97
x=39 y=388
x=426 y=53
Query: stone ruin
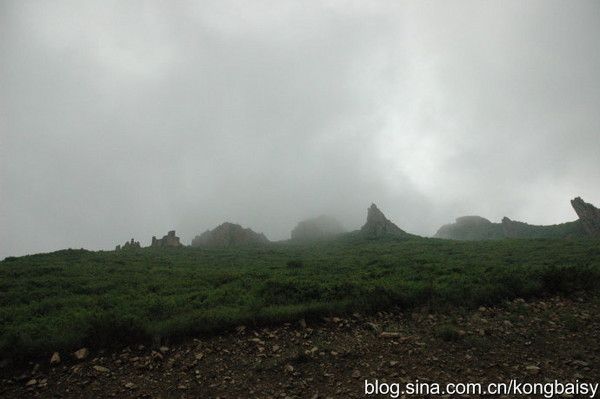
x=168 y=241
x=129 y=245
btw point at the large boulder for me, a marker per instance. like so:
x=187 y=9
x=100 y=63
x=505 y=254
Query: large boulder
x=228 y=234
x=378 y=225
x=315 y=229
x=589 y=216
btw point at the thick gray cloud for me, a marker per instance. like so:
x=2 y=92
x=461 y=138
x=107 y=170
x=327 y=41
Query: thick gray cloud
x=127 y=119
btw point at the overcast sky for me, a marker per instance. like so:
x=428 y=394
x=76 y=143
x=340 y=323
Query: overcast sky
x=123 y=119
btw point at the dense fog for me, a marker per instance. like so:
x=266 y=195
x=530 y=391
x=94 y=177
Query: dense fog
x=128 y=119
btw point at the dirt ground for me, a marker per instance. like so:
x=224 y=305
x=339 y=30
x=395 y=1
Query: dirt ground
x=538 y=341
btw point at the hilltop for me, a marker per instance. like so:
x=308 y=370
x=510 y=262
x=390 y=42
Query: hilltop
x=229 y=234
x=479 y=228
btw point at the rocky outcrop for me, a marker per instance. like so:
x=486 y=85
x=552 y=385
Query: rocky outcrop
x=470 y=228
x=589 y=216
x=168 y=241
x=129 y=245
x=315 y=229
x=229 y=234
x=378 y=225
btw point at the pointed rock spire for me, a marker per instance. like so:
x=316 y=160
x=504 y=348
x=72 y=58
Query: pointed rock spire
x=589 y=216
x=378 y=225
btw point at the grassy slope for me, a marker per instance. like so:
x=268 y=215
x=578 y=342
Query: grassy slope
x=69 y=298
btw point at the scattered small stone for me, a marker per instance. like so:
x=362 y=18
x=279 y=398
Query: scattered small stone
x=374 y=327
x=580 y=363
x=81 y=354
x=55 y=359
x=101 y=369
x=533 y=369
x=388 y=334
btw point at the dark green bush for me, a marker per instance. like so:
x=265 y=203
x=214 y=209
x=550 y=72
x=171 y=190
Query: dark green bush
x=294 y=264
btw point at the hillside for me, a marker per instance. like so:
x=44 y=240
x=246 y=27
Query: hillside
x=70 y=298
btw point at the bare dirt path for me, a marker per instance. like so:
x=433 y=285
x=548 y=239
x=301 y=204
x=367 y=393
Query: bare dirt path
x=542 y=340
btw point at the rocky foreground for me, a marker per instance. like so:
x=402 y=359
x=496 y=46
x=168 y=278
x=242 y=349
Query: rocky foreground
x=543 y=340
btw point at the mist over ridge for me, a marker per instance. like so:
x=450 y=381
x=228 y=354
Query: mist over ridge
x=122 y=120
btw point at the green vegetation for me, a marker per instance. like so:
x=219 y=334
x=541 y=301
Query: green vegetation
x=523 y=230
x=70 y=298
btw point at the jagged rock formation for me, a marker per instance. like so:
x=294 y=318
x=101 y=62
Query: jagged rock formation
x=129 y=245
x=378 y=225
x=170 y=240
x=320 y=228
x=229 y=234
x=589 y=216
